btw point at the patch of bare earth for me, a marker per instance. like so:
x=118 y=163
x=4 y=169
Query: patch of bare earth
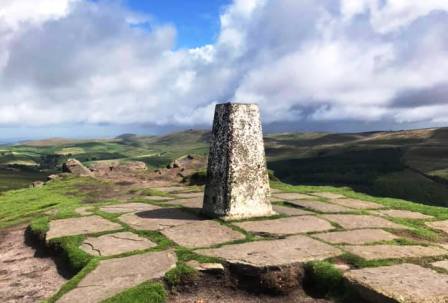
x=24 y=275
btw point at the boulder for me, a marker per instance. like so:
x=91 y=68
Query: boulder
x=75 y=167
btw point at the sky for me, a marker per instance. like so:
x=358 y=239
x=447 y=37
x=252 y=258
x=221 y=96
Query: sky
x=95 y=68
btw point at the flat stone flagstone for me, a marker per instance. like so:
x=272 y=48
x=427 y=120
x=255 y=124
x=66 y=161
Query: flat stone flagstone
x=357 y=204
x=292 y=196
x=359 y=236
x=128 y=208
x=292 y=250
x=441 y=264
x=201 y=234
x=404 y=214
x=362 y=221
x=158 y=198
x=84 y=210
x=190 y=195
x=158 y=219
x=114 y=244
x=80 y=226
x=171 y=189
x=403 y=283
x=190 y=203
x=440 y=225
x=322 y=206
x=274 y=191
x=376 y=252
x=116 y=275
x=287 y=226
x=328 y=195
x=290 y=211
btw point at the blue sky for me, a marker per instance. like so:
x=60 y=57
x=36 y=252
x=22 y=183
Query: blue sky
x=196 y=21
x=92 y=68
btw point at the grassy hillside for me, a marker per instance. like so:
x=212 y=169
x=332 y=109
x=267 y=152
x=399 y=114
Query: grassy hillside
x=411 y=164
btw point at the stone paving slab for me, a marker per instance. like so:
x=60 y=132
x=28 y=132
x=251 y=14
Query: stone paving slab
x=274 y=191
x=128 y=208
x=116 y=275
x=191 y=202
x=84 y=210
x=328 y=195
x=80 y=226
x=358 y=236
x=292 y=196
x=171 y=189
x=290 y=211
x=441 y=264
x=292 y=250
x=440 y=225
x=201 y=234
x=158 y=219
x=115 y=244
x=321 y=206
x=403 y=283
x=404 y=214
x=362 y=221
x=158 y=198
x=357 y=204
x=287 y=226
x=190 y=195
x=376 y=252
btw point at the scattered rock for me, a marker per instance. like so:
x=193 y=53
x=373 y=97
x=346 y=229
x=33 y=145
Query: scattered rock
x=115 y=244
x=75 y=167
x=158 y=219
x=321 y=206
x=361 y=236
x=404 y=283
x=292 y=250
x=128 y=208
x=116 y=275
x=80 y=226
x=357 y=204
x=404 y=214
x=214 y=268
x=53 y=177
x=376 y=252
x=441 y=264
x=37 y=184
x=287 y=226
x=201 y=234
x=440 y=225
x=362 y=221
x=290 y=211
x=292 y=196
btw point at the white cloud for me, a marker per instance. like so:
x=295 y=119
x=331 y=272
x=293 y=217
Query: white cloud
x=76 y=61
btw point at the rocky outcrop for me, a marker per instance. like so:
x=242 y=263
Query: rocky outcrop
x=75 y=167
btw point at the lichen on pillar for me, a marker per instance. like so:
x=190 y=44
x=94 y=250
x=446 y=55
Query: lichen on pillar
x=237 y=178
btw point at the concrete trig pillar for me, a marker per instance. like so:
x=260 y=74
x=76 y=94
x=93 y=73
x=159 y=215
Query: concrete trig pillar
x=237 y=178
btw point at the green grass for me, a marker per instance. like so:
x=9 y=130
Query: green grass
x=324 y=279
x=144 y=293
x=67 y=249
x=182 y=273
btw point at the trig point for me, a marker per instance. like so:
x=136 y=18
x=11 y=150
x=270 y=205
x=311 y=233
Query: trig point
x=237 y=179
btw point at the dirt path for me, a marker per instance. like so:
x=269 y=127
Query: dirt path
x=24 y=277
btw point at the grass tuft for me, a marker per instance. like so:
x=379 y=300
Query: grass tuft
x=144 y=293
x=181 y=274
x=324 y=279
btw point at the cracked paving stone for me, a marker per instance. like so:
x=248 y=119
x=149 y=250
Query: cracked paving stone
x=128 y=207
x=201 y=234
x=326 y=195
x=403 y=214
x=359 y=236
x=80 y=226
x=115 y=244
x=362 y=221
x=84 y=211
x=356 y=204
x=116 y=275
x=292 y=250
x=378 y=252
x=290 y=211
x=441 y=264
x=403 y=283
x=322 y=207
x=440 y=225
x=287 y=226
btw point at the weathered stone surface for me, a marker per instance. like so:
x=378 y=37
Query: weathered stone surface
x=115 y=244
x=405 y=214
x=290 y=211
x=171 y=189
x=359 y=236
x=128 y=207
x=80 y=226
x=357 y=204
x=321 y=206
x=292 y=250
x=362 y=221
x=84 y=210
x=116 y=275
x=440 y=225
x=190 y=203
x=403 y=283
x=287 y=226
x=158 y=219
x=37 y=184
x=292 y=196
x=206 y=267
x=328 y=195
x=158 y=198
x=374 y=252
x=274 y=191
x=75 y=167
x=238 y=184
x=190 y=195
x=441 y=264
x=201 y=234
